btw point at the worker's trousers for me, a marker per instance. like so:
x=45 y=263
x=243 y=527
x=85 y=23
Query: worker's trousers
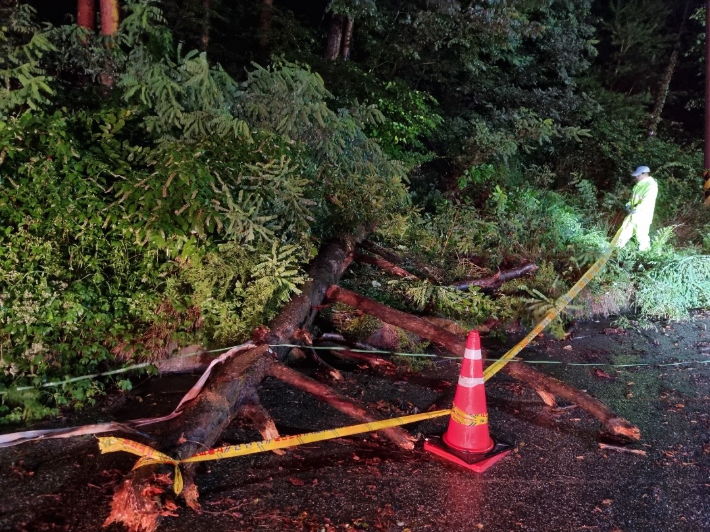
x=640 y=226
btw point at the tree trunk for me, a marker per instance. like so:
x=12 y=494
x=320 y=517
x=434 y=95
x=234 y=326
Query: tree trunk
x=197 y=429
x=347 y=39
x=138 y=501
x=86 y=14
x=706 y=173
x=205 y=38
x=335 y=38
x=265 y=18
x=518 y=370
x=667 y=76
x=109 y=27
x=109 y=17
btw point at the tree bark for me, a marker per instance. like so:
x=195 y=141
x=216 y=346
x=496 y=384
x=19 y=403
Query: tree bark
x=86 y=14
x=707 y=104
x=347 y=38
x=109 y=27
x=423 y=270
x=265 y=18
x=498 y=279
x=109 y=17
x=492 y=282
x=326 y=270
x=347 y=406
x=260 y=418
x=197 y=429
x=349 y=355
x=384 y=265
x=138 y=502
x=667 y=76
x=518 y=370
x=206 y=13
x=335 y=37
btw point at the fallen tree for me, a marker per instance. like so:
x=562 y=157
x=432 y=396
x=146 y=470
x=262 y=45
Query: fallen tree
x=143 y=498
x=547 y=387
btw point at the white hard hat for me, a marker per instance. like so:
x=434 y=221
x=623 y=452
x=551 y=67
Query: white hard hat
x=641 y=170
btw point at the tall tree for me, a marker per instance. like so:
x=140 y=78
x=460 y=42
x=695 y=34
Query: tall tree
x=346 y=44
x=265 y=20
x=109 y=17
x=335 y=38
x=667 y=76
x=707 y=103
x=205 y=38
x=86 y=14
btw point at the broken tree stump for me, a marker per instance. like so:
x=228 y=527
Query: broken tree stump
x=540 y=382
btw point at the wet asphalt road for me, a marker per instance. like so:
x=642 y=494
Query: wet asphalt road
x=557 y=479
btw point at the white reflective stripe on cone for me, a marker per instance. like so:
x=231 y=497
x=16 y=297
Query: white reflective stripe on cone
x=472 y=354
x=470 y=382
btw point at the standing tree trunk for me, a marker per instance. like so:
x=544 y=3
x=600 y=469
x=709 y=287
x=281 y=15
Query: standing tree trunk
x=205 y=39
x=86 y=14
x=109 y=27
x=109 y=17
x=267 y=13
x=335 y=38
x=347 y=39
x=706 y=173
x=666 y=81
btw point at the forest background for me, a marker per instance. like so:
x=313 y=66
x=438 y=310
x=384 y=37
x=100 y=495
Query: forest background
x=167 y=174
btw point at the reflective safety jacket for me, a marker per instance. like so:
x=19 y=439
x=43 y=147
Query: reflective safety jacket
x=643 y=200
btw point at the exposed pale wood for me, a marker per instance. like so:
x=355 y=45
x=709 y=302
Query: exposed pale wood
x=139 y=501
x=262 y=421
x=619 y=449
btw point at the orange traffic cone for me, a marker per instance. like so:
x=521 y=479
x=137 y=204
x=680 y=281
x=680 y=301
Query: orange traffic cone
x=467 y=441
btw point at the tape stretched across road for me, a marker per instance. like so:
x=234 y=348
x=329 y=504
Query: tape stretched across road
x=560 y=304
x=149 y=456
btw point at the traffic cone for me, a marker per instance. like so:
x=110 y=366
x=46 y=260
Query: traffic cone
x=467 y=441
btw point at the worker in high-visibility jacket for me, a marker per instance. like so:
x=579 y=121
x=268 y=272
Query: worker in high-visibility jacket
x=640 y=209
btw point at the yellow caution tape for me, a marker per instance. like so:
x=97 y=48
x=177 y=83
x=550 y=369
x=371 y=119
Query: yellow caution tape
x=560 y=304
x=150 y=456
x=470 y=420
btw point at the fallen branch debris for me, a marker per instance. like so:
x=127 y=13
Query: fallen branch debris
x=540 y=382
x=620 y=449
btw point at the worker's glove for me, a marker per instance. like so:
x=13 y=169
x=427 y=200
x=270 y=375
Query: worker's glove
x=629 y=209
